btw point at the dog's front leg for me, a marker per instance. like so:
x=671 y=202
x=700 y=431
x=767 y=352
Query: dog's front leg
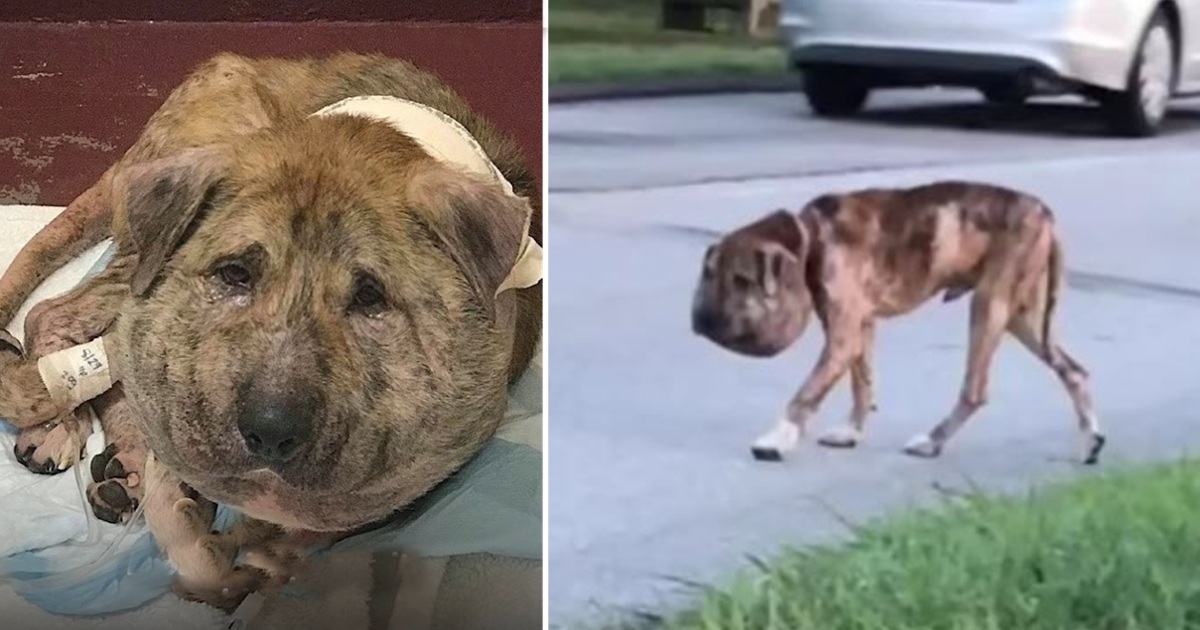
x=842 y=346
x=862 y=386
x=52 y=433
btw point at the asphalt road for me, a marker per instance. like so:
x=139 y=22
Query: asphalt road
x=650 y=473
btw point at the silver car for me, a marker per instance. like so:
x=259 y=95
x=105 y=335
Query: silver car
x=1130 y=56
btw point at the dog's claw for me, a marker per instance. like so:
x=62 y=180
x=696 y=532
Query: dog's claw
x=9 y=343
x=22 y=455
x=51 y=448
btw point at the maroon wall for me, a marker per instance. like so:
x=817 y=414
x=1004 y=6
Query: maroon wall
x=272 y=10
x=73 y=96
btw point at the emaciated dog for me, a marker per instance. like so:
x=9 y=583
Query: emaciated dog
x=858 y=257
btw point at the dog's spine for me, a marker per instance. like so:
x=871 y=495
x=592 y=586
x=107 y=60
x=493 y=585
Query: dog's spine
x=84 y=223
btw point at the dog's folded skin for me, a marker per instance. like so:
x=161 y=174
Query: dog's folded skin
x=858 y=257
x=303 y=309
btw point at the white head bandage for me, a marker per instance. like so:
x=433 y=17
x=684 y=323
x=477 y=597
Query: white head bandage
x=447 y=140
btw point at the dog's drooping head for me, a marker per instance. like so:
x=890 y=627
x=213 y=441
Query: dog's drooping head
x=752 y=298
x=314 y=335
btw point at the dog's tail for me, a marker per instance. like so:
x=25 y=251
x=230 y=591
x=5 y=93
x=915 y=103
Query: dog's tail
x=85 y=222
x=1054 y=278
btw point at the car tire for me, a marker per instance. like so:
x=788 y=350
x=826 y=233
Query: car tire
x=834 y=93
x=1138 y=111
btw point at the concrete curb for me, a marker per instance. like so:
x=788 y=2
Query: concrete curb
x=681 y=86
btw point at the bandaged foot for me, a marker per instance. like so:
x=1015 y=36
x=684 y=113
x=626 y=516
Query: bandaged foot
x=923 y=446
x=841 y=437
x=783 y=438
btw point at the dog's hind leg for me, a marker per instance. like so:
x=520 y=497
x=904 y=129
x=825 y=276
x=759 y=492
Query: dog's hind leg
x=1027 y=329
x=862 y=386
x=842 y=347
x=989 y=317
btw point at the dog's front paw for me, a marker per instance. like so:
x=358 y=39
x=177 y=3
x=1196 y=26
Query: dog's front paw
x=923 y=446
x=51 y=448
x=117 y=483
x=841 y=437
x=782 y=439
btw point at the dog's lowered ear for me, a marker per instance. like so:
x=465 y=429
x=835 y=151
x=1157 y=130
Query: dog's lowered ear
x=481 y=228
x=779 y=237
x=782 y=228
x=165 y=199
x=768 y=262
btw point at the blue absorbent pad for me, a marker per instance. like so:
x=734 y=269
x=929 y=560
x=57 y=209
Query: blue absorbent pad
x=59 y=558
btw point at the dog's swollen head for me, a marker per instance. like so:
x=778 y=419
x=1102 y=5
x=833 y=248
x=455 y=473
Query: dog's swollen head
x=315 y=335
x=752 y=298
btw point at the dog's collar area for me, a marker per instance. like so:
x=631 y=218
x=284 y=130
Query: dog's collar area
x=447 y=140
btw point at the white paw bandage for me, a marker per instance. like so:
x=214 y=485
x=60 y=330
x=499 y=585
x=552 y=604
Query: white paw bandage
x=77 y=374
x=782 y=438
x=844 y=436
x=922 y=445
x=447 y=140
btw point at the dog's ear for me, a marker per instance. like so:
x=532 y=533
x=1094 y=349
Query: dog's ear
x=479 y=226
x=780 y=237
x=710 y=261
x=768 y=261
x=781 y=227
x=165 y=199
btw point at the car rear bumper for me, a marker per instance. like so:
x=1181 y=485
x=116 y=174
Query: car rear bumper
x=1075 y=41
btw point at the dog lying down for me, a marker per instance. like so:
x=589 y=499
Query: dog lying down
x=858 y=257
x=327 y=274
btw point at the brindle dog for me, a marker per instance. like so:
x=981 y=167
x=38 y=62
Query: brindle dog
x=302 y=309
x=857 y=257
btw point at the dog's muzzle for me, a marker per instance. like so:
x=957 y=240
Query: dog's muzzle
x=706 y=323
x=715 y=327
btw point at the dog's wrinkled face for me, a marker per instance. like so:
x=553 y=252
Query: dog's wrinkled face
x=752 y=298
x=313 y=335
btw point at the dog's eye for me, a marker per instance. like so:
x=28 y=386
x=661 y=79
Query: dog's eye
x=368 y=296
x=742 y=283
x=235 y=274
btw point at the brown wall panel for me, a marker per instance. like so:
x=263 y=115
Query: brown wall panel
x=73 y=97
x=271 y=10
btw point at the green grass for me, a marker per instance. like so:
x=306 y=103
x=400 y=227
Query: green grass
x=593 y=40
x=1120 y=551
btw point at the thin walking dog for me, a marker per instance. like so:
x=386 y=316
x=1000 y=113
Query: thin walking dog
x=859 y=257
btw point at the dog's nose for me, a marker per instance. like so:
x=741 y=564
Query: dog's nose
x=705 y=321
x=276 y=430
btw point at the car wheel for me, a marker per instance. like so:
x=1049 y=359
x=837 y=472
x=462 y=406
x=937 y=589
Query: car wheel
x=1139 y=110
x=834 y=92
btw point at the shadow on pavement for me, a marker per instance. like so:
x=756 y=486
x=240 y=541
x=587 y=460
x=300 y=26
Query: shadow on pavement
x=1077 y=119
